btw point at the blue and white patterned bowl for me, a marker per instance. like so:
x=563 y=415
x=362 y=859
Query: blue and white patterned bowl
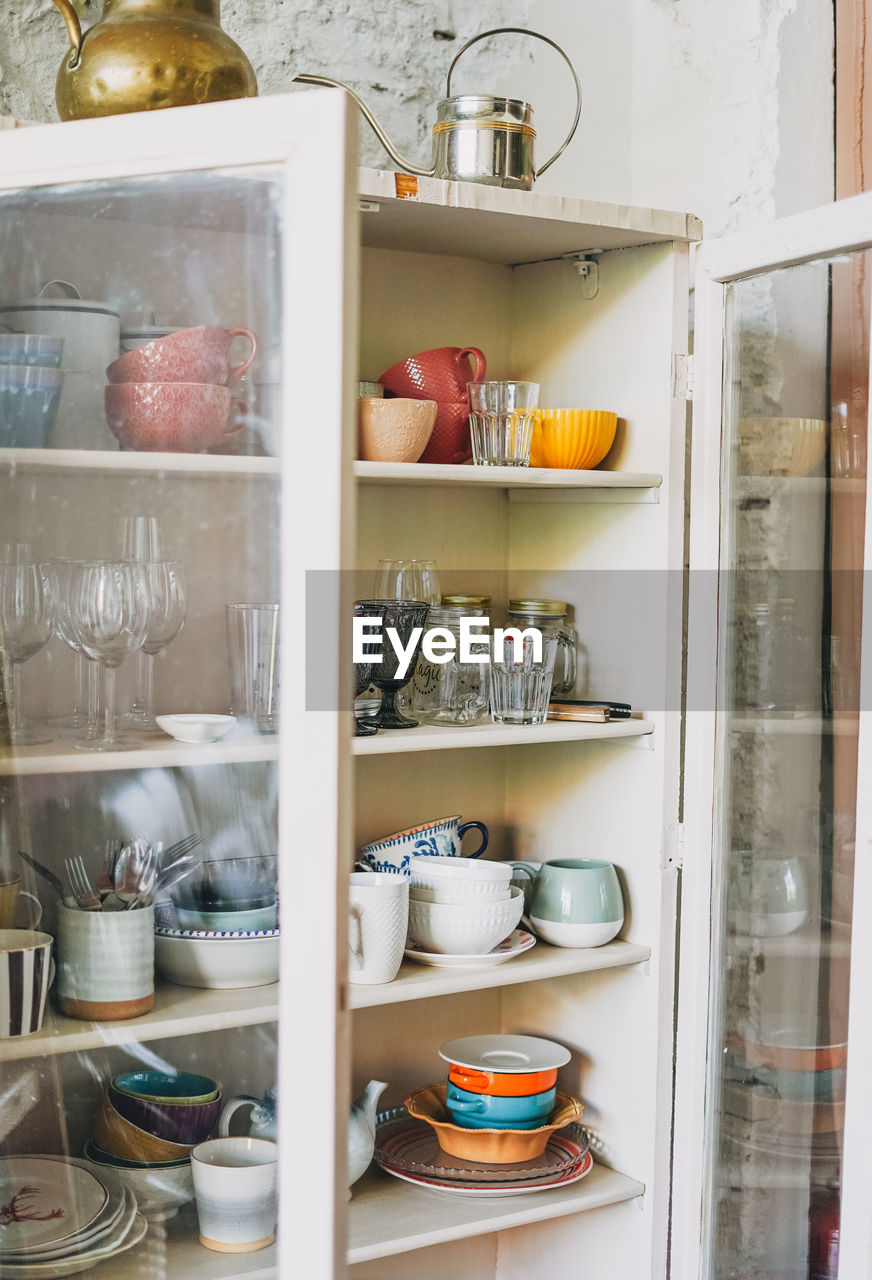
x=218 y=961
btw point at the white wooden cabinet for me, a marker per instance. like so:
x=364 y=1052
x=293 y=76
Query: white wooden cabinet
x=348 y=278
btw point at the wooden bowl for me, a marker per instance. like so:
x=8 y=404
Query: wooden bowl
x=572 y=439
x=126 y=1140
x=487 y=1146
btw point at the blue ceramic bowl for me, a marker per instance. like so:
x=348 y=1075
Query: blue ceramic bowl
x=179 y=1087
x=489 y=1111
x=29 y=399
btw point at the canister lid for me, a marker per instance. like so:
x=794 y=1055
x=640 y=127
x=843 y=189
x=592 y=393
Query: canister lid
x=466 y=602
x=555 y=607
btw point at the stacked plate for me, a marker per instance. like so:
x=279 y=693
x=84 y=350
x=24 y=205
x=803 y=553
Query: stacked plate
x=60 y=1217
x=408 y=1149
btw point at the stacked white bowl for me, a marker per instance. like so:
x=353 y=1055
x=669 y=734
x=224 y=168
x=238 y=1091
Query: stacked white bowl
x=461 y=906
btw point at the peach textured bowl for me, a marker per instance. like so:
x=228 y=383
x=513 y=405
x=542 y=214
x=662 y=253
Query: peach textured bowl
x=572 y=439
x=201 y=354
x=393 y=430
x=488 y=1146
x=126 y=1140
x=174 y=417
x=781 y=446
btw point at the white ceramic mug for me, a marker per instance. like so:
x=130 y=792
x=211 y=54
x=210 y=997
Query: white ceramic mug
x=379 y=918
x=105 y=963
x=26 y=972
x=235 y=1190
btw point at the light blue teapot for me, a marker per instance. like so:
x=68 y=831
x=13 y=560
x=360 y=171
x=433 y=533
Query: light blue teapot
x=262 y=1122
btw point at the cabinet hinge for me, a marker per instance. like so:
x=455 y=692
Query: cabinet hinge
x=673 y=854
x=682 y=377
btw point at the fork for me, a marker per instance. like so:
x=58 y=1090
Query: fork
x=180 y=849
x=84 y=893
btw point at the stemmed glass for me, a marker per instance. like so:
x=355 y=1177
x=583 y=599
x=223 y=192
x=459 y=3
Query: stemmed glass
x=404 y=616
x=167 y=610
x=25 y=627
x=407 y=580
x=82 y=721
x=363 y=726
x=108 y=614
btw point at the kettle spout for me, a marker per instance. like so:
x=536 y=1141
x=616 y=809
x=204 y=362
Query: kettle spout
x=405 y=165
x=74 y=29
x=369 y=1099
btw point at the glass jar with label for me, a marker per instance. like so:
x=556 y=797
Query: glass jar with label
x=454 y=692
x=550 y=618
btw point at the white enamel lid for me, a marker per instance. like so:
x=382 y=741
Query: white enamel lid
x=505 y=1054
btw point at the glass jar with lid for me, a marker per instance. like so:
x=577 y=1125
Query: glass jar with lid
x=549 y=616
x=452 y=693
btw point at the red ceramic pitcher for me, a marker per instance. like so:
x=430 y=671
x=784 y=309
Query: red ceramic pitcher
x=441 y=375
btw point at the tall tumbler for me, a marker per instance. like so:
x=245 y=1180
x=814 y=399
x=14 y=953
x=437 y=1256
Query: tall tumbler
x=501 y=422
x=253 y=653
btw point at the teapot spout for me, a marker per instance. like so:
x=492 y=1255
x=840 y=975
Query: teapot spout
x=405 y=165
x=368 y=1101
x=74 y=28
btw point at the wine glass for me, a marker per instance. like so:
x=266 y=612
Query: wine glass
x=108 y=612
x=82 y=721
x=363 y=726
x=25 y=627
x=404 y=616
x=167 y=610
x=408 y=580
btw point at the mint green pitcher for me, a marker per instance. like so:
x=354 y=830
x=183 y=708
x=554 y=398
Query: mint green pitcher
x=573 y=902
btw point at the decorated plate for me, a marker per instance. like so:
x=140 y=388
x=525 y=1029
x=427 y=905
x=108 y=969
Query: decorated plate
x=516 y=944
x=495 y=1190
x=134 y=1228
x=45 y=1200
x=505 y=1053
x=408 y=1145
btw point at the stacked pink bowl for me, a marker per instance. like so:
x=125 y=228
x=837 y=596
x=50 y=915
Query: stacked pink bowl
x=173 y=394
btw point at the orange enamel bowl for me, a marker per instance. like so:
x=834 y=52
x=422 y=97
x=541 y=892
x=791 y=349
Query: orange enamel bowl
x=501 y=1083
x=572 y=439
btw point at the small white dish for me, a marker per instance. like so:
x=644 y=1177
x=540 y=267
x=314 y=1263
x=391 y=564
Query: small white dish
x=505 y=1053
x=196 y=727
x=515 y=945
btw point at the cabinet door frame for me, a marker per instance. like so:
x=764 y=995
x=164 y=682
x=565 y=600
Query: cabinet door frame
x=309 y=139
x=833 y=229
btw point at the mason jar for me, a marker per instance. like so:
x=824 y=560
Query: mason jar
x=549 y=616
x=452 y=693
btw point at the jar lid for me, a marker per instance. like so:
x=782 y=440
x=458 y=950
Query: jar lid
x=466 y=602
x=554 y=607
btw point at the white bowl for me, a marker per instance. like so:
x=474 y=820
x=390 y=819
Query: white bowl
x=218 y=961
x=474 y=877
x=159 y=1193
x=451 y=891
x=196 y=726
x=470 y=929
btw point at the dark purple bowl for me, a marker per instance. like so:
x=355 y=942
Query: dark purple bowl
x=188 y=1124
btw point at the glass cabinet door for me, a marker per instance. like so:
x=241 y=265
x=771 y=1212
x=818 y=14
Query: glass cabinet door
x=784 y=577
x=157 y=324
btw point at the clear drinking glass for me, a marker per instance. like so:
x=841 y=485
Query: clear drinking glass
x=550 y=617
x=407 y=580
x=521 y=681
x=108 y=615
x=25 y=626
x=452 y=693
x=253 y=651
x=167 y=610
x=501 y=422
x=82 y=720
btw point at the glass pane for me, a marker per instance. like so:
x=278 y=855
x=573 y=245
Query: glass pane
x=793 y=482
x=139 y=499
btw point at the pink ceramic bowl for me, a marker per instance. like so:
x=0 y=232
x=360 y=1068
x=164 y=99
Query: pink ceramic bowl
x=393 y=430
x=189 y=355
x=175 y=417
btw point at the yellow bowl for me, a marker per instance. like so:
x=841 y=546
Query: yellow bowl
x=572 y=439
x=487 y=1146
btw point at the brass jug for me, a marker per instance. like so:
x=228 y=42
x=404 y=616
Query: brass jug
x=145 y=54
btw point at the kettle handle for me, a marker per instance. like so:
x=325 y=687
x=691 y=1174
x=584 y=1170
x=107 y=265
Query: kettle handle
x=370 y=119
x=537 y=35
x=74 y=28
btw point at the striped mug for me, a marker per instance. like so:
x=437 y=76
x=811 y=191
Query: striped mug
x=26 y=973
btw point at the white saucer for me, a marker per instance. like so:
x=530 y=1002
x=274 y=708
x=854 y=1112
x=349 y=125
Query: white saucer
x=516 y=944
x=196 y=727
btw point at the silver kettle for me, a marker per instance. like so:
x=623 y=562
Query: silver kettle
x=477 y=137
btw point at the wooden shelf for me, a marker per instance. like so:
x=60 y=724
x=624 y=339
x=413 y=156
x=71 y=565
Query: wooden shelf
x=436 y=738
x=520 y=226
x=162 y=753
x=88 y=460
x=418 y=981
x=388 y=1216
x=178 y=1011
x=522 y=484
x=172 y=1251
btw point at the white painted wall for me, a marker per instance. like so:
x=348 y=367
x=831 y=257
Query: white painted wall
x=724 y=110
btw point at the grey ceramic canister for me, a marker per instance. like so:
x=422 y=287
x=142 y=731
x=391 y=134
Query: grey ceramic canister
x=572 y=902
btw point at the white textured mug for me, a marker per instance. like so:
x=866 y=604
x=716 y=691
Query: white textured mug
x=235 y=1190
x=379 y=918
x=105 y=963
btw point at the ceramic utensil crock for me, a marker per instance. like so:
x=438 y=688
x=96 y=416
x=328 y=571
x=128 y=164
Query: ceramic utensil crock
x=105 y=963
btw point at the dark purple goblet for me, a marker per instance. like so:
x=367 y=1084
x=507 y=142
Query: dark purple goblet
x=404 y=616
x=363 y=725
